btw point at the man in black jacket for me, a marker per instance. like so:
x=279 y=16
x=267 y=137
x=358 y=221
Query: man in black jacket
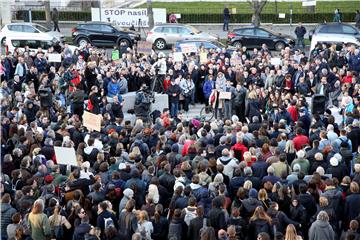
x=239 y=102
x=300 y=32
x=174 y=92
x=217 y=215
x=196 y=224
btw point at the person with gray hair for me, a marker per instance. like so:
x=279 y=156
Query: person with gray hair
x=321 y=228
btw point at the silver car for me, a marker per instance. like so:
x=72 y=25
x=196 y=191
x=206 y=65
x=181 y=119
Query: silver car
x=164 y=35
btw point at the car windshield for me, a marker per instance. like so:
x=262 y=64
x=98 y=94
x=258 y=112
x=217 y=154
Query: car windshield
x=41 y=28
x=193 y=29
x=218 y=44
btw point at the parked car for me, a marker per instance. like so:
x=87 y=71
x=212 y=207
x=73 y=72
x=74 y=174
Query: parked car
x=254 y=37
x=45 y=42
x=30 y=30
x=164 y=35
x=334 y=39
x=334 y=28
x=103 y=34
x=206 y=43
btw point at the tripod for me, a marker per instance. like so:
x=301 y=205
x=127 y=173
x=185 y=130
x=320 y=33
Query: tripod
x=157 y=83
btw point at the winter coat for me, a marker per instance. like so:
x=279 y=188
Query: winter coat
x=217 y=219
x=352 y=206
x=39 y=226
x=230 y=164
x=253 y=109
x=81 y=230
x=321 y=230
x=113 y=89
x=207 y=88
x=248 y=207
x=194 y=228
x=6 y=213
x=258 y=226
x=160 y=229
x=176 y=229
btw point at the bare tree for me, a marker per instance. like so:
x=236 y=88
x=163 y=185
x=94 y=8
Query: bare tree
x=150 y=13
x=257 y=6
x=47 y=13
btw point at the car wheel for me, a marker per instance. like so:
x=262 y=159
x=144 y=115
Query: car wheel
x=279 y=46
x=82 y=42
x=3 y=41
x=125 y=42
x=160 y=44
x=237 y=44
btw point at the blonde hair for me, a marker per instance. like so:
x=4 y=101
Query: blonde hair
x=143 y=216
x=323 y=201
x=252 y=95
x=262 y=195
x=291 y=232
x=289 y=146
x=248 y=185
x=260 y=214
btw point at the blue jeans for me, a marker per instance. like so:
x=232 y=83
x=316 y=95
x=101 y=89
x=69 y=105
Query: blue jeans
x=226 y=24
x=174 y=108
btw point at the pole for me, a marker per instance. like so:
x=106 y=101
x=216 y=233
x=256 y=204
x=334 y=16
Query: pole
x=100 y=10
x=30 y=15
x=291 y=13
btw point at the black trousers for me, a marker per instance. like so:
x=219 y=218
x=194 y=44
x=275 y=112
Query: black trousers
x=56 y=26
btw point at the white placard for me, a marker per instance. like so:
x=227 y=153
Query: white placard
x=178 y=15
x=281 y=15
x=54 y=57
x=308 y=3
x=128 y=17
x=188 y=48
x=65 y=156
x=275 y=61
x=178 y=57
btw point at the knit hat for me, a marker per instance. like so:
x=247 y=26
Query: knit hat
x=129 y=193
x=253 y=193
x=48 y=179
x=334 y=162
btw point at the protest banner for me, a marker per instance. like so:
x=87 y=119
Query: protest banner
x=144 y=47
x=188 y=48
x=178 y=57
x=65 y=156
x=115 y=55
x=127 y=17
x=275 y=61
x=54 y=57
x=203 y=58
x=92 y=121
x=225 y=95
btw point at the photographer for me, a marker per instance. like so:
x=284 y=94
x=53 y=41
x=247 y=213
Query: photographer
x=143 y=101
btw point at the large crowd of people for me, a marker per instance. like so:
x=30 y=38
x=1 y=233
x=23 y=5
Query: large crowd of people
x=268 y=166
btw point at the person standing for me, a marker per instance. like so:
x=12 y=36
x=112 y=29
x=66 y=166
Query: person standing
x=357 y=19
x=226 y=19
x=174 y=92
x=55 y=19
x=337 y=16
x=39 y=222
x=300 y=32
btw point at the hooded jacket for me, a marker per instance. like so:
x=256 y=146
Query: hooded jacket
x=248 y=207
x=229 y=165
x=321 y=230
x=6 y=213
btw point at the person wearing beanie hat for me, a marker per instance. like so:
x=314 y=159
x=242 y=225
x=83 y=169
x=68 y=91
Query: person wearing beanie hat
x=128 y=194
x=302 y=161
x=249 y=205
x=336 y=169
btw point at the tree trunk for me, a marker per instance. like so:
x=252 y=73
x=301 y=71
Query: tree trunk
x=150 y=14
x=47 y=13
x=257 y=6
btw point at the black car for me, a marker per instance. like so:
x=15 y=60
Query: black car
x=103 y=34
x=254 y=37
x=335 y=28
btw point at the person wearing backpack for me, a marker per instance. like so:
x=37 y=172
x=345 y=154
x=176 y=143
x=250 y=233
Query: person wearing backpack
x=105 y=218
x=57 y=222
x=144 y=226
x=127 y=220
x=189 y=212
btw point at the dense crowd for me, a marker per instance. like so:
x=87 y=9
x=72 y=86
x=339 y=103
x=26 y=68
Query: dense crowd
x=267 y=166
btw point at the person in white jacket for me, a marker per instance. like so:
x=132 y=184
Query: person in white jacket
x=230 y=163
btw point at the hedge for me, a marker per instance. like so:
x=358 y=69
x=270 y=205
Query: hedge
x=209 y=18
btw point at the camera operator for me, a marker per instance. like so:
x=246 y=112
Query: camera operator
x=160 y=70
x=143 y=99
